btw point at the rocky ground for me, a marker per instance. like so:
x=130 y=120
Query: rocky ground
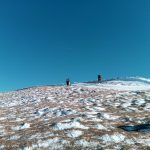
x=82 y=116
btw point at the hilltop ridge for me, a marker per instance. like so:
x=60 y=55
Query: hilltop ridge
x=80 y=116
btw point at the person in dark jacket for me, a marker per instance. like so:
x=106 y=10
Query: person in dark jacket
x=68 y=82
x=99 y=78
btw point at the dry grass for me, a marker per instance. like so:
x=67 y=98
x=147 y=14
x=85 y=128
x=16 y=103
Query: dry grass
x=71 y=100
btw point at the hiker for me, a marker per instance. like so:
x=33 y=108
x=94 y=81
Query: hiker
x=68 y=82
x=99 y=78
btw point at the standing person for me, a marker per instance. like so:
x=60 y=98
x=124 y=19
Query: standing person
x=68 y=82
x=99 y=78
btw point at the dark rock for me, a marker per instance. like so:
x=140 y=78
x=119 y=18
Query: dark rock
x=137 y=128
x=99 y=115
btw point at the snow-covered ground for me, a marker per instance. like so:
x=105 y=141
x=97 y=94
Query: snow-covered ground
x=128 y=84
x=81 y=116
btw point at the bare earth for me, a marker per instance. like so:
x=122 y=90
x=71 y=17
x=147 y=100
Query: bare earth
x=73 y=118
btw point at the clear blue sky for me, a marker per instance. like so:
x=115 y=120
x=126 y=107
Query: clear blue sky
x=46 y=41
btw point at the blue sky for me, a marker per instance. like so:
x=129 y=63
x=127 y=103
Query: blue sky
x=46 y=41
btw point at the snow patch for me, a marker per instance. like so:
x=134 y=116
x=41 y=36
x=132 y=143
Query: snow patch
x=100 y=127
x=62 y=126
x=74 y=133
x=55 y=112
x=14 y=137
x=113 y=138
x=127 y=84
x=85 y=143
x=55 y=143
x=22 y=126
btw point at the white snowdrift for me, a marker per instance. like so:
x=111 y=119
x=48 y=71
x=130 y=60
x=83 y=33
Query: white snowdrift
x=127 y=84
